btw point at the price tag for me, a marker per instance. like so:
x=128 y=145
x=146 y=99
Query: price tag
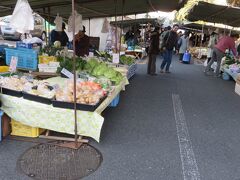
x=67 y=73
x=91 y=54
x=115 y=58
x=13 y=64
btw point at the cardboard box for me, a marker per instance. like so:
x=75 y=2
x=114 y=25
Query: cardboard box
x=237 y=88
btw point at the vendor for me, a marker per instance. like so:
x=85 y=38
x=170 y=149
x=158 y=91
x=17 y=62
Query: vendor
x=59 y=36
x=82 y=43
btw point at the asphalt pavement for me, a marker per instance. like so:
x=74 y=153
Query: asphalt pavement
x=178 y=126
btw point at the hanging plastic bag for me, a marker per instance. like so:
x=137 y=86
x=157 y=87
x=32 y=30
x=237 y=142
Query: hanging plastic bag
x=22 y=18
x=105 y=27
x=78 y=23
x=58 y=22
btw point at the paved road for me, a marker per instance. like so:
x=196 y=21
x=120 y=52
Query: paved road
x=178 y=126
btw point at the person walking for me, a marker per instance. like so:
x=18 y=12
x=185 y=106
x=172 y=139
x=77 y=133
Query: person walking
x=184 y=45
x=153 y=51
x=226 y=42
x=169 y=42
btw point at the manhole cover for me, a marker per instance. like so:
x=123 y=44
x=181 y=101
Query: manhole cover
x=50 y=162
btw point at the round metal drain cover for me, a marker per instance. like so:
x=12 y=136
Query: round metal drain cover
x=50 y=162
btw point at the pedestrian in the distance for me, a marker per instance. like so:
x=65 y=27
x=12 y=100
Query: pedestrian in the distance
x=226 y=42
x=184 y=45
x=211 y=44
x=153 y=51
x=169 y=42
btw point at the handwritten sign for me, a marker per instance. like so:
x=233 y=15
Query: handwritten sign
x=115 y=58
x=13 y=64
x=67 y=73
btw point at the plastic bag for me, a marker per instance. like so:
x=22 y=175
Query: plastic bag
x=22 y=18
x=186 y=57
x=78 y=23
x=105 y=27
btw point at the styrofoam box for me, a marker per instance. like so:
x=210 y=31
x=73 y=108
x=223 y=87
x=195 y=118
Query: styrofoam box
x=237 y=88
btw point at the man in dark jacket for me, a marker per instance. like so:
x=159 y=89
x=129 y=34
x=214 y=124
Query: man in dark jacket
x=153 y=51
x=169 y=42
x=82 y=43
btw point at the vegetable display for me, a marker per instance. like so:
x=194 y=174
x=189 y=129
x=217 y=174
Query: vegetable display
x=99 y=69
x=127 y=60
x=86 y=92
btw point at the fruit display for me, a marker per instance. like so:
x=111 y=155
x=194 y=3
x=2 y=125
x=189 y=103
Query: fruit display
x=86 y=92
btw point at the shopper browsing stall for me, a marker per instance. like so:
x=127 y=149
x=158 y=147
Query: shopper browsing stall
x=226 y=42
x=153 y=51
x=59 y=36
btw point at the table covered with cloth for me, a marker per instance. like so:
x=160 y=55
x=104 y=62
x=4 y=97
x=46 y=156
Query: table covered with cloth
x=58 y=119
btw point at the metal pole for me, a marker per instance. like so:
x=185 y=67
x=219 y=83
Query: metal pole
x=115 y=26
x=89 y=26
x=74 y=73
x=48 y=21
x=123 y=3
x=45 y=26
x=202 y=35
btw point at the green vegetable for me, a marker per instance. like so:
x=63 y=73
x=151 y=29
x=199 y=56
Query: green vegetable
x=127 y=60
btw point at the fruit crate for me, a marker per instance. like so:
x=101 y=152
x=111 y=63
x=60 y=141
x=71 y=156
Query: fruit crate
x=27 y=58
x=19 y=129
x=46 y=59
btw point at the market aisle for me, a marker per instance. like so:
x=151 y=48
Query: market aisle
x=139 y=138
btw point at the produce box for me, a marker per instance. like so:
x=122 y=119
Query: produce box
x=238 y=79
x=19 y=129
x=237 y=89
x=46 y=59
x=82 y=107
x=51 y=67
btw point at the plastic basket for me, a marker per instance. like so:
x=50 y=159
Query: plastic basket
x=115 y=101
x=20 y=44
x=27 y=58
x=2 y=48
x=226 y=76
x=46 y=59
x=19 y=129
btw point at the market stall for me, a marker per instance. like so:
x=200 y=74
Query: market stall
x=87 y=87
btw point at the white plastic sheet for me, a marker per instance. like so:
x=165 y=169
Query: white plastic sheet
x=22 y=18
